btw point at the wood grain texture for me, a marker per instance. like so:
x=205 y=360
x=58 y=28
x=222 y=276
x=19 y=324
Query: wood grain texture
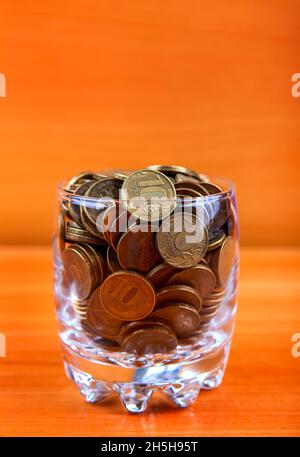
x=260 y=394
x=100 y=83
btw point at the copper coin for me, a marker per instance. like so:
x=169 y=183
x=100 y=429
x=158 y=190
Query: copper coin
x=160 y=275
x=117 y=227
x=193 y=186
x=215 y=295
x=100 y=194
x=221 y=260
x=136 y=249
x=127 y=296
x=182 y=318
x=97 y=261
x=129 y=327
x=179 y=294
x=208 y=317
x=186 y=192
x=150 y=340
x=220 y=205
x=209 y=309
x=61 y=231
x=100 y=320
x=215 y=239
x=78 y=275
x=199 y=277
x=149 y=195
x=182 y=240
x=112 y=260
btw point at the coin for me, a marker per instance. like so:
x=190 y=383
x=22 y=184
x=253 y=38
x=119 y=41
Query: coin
x=182 y=318
x=180 y=177
x=149 y=195
x=160 y=275
x=220 y=205
x=221 y=260
x=96 y=259
x=129 y=327
x=84 y=175
x=215 y=239
x=209 y=309
x=121 y=173
x=80 y=235
x=117 y=226
x=182 y=240
x=179 y=294
x=78 y=274
x=136 y=249
x=127 y=295
x=61 y=231
x=173 y=170
x=208 y=317
x=100 y=320
x=199 y=277
x=156 y=339
x=112 y=260
x=99 y=196
x=88 y=225
x=75 y=201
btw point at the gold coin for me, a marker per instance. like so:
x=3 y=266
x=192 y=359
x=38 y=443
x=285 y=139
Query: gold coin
x=122 y=174
x=173 y=170
x=182 y=240
x=80 y=235
x=149 y=195
x=73 y=182
x=182 y=318
x=75 y=201
x=127 y=295
x=99 y=196
x=150 y=340
x=215 y=239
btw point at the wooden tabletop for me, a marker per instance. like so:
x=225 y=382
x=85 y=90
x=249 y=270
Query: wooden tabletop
x=260 y=394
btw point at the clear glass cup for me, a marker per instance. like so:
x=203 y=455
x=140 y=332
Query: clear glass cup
x=146 y=305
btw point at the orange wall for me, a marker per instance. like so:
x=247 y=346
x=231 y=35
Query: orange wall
x=97 y=84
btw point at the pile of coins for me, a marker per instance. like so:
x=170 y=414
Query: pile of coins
x=146 y=255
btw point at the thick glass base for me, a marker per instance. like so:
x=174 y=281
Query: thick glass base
x=134 y=386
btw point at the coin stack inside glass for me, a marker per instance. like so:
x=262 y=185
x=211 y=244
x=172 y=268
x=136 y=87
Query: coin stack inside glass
x=146 y=254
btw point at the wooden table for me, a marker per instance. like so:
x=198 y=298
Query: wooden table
x=260 y=394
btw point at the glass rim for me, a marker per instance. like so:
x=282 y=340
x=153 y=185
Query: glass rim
x=227 y=185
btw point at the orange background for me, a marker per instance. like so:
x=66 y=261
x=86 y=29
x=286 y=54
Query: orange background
x=97 y=84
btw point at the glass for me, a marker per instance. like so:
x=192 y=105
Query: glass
x=133 y=316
